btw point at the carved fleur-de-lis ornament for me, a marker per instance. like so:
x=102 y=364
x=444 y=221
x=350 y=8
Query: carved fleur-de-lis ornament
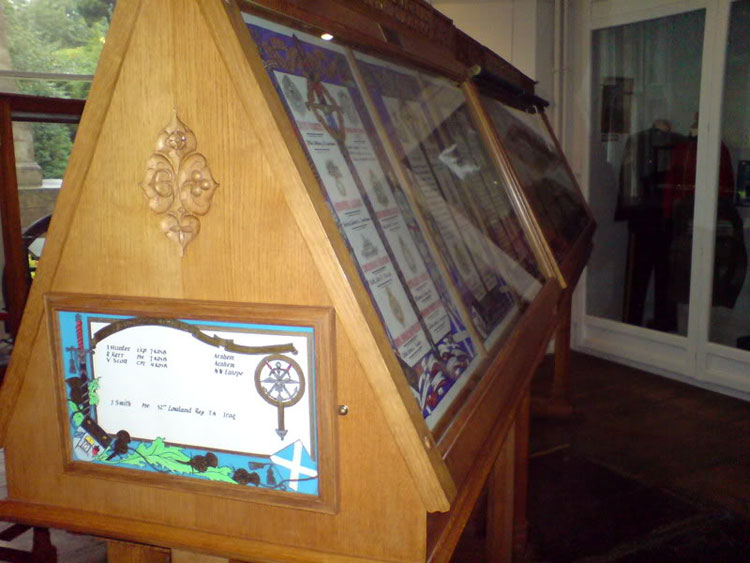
x=178 y=183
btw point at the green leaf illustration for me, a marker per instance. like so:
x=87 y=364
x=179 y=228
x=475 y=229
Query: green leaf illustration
x=93 y=395
x=77 y=419
x=223 y=474
x=158 y=456
x=176 y=462
x=130 y=459
x=170 y=459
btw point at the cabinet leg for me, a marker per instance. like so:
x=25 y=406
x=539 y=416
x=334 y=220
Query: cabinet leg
x=500 y=504
x=126 y=552
x=561 y=382
x=179 y=556
x=521 y=478
x=557 y=404
x=42 y=549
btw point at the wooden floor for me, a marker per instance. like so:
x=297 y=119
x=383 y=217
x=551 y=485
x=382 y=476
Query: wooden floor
x=647 y=469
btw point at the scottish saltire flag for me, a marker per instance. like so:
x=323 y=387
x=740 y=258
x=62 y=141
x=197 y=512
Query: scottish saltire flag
x=298 y=471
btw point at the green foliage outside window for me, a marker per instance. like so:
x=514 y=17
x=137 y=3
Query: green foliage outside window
x=55 y=36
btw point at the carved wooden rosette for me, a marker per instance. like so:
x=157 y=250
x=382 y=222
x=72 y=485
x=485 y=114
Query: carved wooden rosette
x=178 y=183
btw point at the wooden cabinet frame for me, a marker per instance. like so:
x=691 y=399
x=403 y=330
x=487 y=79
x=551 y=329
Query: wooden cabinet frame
x=405 y=493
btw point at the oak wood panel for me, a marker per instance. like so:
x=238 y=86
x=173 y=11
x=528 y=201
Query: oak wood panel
x=377 y=509
x=269 y=237
x=114 y=246
x=155 y=533
x=180 y=556
x=80 y=158
x=123 y=552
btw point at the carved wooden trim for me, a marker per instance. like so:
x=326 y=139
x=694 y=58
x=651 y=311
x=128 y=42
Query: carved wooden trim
x=417 y=15
x=178 y=183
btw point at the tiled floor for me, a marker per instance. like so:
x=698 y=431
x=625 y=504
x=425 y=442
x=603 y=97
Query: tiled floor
x=662 y=433
x=646 y=470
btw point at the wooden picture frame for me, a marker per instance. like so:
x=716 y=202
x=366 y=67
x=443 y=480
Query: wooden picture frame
x=194 y=409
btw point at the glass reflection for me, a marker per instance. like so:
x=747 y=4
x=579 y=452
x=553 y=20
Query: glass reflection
x=730 y=314
x=645 y=94
x=458 y=192
x=545 y=179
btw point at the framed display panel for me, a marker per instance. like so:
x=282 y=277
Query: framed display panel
x=210 y=397
x=426 y=218
x=460 y=195
x=553 y=195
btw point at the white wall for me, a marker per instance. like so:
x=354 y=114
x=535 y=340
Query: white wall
x=489 y=21
x=520 y=31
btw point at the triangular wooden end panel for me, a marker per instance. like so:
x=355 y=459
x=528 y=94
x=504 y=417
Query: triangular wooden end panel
x=431 y=476
x=110 y=64
x=266 y=210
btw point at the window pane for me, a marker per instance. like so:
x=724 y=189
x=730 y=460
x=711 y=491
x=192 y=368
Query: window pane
x=730 y=314
x=645 y=99
x=42 y=152
x=52 y=36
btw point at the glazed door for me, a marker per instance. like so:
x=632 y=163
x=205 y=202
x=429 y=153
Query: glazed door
x=669 y=181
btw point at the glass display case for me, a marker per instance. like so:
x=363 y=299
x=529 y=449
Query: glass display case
x=371 y=269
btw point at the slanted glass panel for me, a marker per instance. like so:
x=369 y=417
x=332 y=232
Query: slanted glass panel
x=426 y=327
x=555 y=199
x=458 y=194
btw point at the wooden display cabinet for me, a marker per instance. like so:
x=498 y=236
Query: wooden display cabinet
x=294 y=290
